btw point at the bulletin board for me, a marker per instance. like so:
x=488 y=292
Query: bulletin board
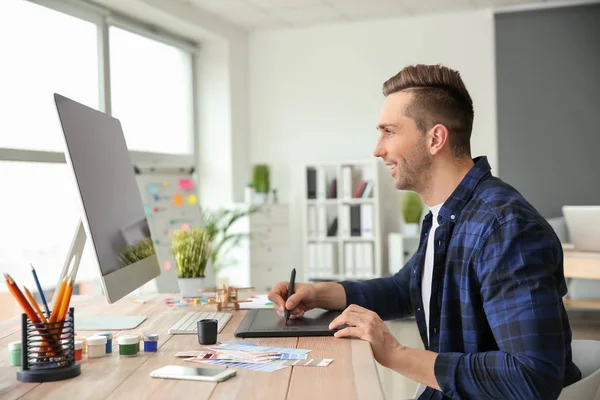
x=170 y=199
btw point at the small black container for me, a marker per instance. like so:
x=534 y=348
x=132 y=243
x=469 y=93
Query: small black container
x=48 y=351
x=207 y=331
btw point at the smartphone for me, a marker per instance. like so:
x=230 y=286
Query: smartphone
x=193 y=373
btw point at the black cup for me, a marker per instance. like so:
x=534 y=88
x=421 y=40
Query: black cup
x=207 y=331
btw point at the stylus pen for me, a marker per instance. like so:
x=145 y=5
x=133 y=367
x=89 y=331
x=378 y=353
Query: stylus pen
x=286 y=313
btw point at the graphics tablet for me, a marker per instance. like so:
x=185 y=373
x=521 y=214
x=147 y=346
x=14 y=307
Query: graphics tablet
x=267 y=323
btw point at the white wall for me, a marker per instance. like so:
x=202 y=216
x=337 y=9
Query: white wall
x=315 y=93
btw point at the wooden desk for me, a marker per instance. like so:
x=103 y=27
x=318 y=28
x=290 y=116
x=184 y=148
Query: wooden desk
x=584 y=265
x=352 y=374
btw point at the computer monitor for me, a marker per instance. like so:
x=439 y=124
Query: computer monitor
x=583 y=225
x=113 y=215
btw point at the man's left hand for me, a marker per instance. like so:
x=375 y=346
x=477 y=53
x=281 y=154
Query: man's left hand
x=366 y=325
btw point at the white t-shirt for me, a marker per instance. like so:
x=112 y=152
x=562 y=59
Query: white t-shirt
x=427 y=276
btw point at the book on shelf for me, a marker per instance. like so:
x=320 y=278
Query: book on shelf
x=311 y=183
x=322 y=259
x=358 y=260
x=318 y=186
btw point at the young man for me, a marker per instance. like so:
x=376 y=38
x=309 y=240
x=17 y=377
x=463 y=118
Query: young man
x=486 y=283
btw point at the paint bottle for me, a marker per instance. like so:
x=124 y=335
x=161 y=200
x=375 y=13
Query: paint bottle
x=129 y=345
x=78 y=350
x=82 y=338
x=14 y=349
x=96 y=346
x=151 y=342
x=109 y=340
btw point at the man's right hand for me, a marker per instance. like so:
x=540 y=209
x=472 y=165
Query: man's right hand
x=303 y=299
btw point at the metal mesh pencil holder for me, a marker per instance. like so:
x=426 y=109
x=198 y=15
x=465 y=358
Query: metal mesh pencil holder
x=48 y=350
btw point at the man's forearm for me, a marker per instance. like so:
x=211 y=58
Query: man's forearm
x=330 y=296
x=415 y=364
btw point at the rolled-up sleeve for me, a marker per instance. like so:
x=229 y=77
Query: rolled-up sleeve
x=388 y=296
x=520 y=270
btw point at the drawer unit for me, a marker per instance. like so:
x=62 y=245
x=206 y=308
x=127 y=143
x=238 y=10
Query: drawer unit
x=269 y=247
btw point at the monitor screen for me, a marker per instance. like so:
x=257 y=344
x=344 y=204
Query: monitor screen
x=112 y=210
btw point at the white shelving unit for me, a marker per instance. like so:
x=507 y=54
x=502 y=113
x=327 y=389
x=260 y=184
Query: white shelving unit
x=349 y=209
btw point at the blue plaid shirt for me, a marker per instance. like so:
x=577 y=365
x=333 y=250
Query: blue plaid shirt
x=497 y=318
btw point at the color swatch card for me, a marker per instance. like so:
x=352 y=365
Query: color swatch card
x=266 y=367
x=259 y=349
x=314 y=362
x=248 y=355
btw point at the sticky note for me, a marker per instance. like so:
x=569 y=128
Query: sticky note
x=192 y=199
x=152 y=189
x=166 y=184
x=186 y=184
x=178 y=199
x=185 y=227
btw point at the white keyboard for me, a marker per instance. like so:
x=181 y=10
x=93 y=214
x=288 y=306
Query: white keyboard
x=187 y=324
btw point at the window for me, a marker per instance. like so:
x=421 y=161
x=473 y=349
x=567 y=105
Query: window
x=39 y=215
x=43 y=51
x=49 y=47
x=151 y=92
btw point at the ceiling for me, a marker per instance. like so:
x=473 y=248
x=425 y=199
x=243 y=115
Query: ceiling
x=266 y=14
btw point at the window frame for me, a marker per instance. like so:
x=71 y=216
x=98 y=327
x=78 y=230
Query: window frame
x=104 y=18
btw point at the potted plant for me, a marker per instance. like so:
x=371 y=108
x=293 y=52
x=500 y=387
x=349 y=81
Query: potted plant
x=218 y=224
x=412 y=210
x=261 y=182
x=191 y=249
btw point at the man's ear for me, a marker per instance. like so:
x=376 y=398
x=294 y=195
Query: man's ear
x=439 y=138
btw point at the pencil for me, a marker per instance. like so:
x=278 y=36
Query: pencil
x=66 y=300
x=35 y=306
x=37 y=283
x=16 y=292
x=58 y=300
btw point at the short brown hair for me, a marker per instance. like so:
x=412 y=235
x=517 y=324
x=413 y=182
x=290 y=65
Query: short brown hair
x=440 y=97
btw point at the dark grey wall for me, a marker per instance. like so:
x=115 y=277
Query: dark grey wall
x=548 y=88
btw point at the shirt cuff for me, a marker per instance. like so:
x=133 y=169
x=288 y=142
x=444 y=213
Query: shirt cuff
x=445 y=369
x=353 y=294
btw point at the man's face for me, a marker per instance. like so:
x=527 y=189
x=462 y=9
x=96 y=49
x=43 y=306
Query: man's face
x=401 y=145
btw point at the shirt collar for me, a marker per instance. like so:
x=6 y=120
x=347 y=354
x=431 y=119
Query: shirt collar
x=459 y=197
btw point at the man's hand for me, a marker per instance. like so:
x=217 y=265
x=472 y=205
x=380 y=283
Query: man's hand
x=303 y=299
x=366 y=325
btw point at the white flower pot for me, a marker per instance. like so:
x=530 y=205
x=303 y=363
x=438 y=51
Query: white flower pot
x=191 y=287
x=411 y=229
x=260 y=198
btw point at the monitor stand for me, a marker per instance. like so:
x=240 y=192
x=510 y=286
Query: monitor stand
x=93 y=323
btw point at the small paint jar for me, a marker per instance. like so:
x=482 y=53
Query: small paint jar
x=151 y=342
x=14 y=349
x=96 y=346
x=82 y=338
x=78 y=350
x=109 y=340
x=129 y=345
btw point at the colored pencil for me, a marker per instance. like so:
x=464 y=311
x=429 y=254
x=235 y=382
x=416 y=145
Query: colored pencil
x=35 y=305
x=57 y=301
x=16 y=292
x=37 y=283
x=66 y=300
